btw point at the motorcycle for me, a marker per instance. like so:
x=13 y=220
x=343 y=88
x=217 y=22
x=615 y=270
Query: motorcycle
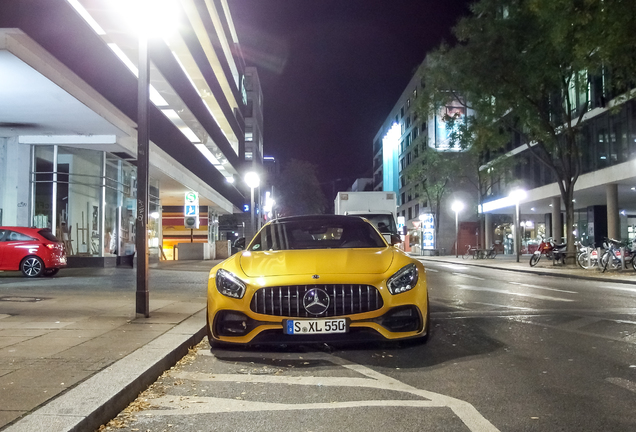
x=551 y=250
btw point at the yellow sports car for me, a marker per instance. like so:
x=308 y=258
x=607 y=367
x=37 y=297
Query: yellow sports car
x=322 y=278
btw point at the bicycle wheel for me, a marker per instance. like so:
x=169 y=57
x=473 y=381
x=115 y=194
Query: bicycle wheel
x=492 y=254
x=534 y=259
x=581 y=260
x=465 y=255
x=605 y=260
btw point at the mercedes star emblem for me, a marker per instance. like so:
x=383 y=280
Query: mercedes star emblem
x=316 y=301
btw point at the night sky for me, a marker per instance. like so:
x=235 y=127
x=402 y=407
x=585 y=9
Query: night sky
x=331 y=71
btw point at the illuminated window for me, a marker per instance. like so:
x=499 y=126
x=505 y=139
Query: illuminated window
x=248 y=156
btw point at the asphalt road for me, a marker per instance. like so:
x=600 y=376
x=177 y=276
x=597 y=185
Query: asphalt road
x=509 y=352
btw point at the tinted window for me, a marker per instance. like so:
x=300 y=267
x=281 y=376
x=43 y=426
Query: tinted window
x=317 y=234
x=2 y=233
x=47 y=234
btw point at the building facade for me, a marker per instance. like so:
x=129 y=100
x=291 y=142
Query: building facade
x=68 y=121
x=604 y=194
x=401 y=143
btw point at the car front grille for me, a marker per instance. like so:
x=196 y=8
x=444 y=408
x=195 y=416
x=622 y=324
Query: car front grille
x=344 y=299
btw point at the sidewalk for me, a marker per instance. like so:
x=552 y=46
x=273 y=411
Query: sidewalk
x=73 y=353
x=544 y=267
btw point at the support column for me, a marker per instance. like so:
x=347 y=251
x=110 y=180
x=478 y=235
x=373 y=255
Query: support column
x=488 y=230
x=557 y=225
x=613 y=222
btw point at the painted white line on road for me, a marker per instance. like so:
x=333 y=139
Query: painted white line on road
x=454 y=266
x=428 y=269
x=535 y=296
x=467 y=413
x=502 y=306
x=622 y=382
x=542 y=287
x=469 y=276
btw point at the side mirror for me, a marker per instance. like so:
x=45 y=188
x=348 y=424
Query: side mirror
x=395 y=239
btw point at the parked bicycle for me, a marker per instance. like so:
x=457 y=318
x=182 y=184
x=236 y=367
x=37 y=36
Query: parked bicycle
x=612 y=256
x=551 y=250
x=586 y=256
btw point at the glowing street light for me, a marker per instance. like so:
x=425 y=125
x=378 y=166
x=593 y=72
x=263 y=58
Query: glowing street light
x=252 y=180
x=517 y=195
x=457 y=206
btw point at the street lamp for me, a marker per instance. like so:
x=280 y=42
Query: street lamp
x=147 y=20
x=253 y=181
x=457 y=207
x=517 y=195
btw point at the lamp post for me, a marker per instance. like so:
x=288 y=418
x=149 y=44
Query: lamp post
x=253 y=181
x=457 y=207
x=142 y=297
x=146 y=20
x=517 y=195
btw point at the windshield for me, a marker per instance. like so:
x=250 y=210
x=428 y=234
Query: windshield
x=317 y=234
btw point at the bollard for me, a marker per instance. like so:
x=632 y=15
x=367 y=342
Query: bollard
x=622 y=249
x=599 y=258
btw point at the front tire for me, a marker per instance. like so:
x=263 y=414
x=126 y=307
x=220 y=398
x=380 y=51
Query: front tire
x=534 y=259
x=32 y=267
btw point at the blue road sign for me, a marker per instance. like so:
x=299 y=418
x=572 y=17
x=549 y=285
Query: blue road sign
x=190 y=210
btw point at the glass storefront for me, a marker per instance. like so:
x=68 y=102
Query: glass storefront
x=88 y=198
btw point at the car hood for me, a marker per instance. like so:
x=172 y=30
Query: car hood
x=316 y=261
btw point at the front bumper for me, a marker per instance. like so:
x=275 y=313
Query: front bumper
x=402 y=322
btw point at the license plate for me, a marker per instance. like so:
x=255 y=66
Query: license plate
x=316 y=326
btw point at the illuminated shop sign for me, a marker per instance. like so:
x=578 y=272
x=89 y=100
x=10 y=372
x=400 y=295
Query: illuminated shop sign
x=428 y=231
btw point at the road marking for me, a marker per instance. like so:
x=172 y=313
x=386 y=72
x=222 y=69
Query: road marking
x=469 y=276
x=536 y=296
x=542 y=287
x=454 y=266
x=180 y=405
x=622 y=382
x=502 y=306
x=428 y=269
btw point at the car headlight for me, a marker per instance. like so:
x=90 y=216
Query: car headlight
x=403 y=280
x=229 y=285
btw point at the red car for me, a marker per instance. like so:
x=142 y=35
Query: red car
x=33 y=251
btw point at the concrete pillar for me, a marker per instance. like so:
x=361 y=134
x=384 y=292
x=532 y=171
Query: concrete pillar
x=557 y=226
x=613 y=222
x=15 y=168
x=488 y=230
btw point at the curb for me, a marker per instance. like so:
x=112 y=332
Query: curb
x=535 y=272
x=101 y=397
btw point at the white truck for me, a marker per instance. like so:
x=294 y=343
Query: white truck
x=378 y=207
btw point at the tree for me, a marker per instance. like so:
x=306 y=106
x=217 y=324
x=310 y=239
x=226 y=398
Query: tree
x=298 y=191
x=524 y=66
